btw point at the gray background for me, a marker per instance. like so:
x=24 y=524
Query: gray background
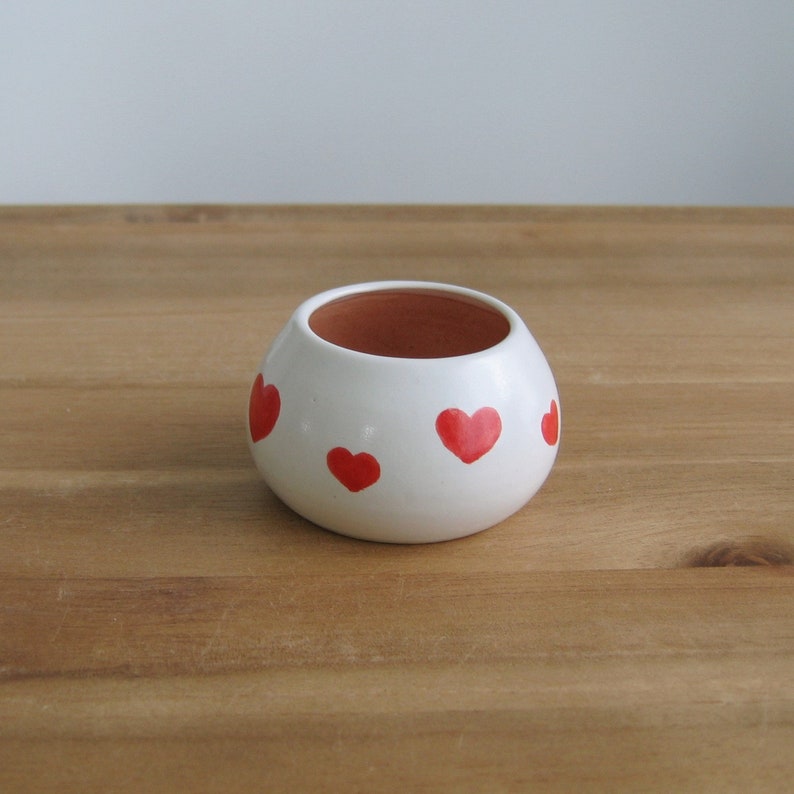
x=566 y=101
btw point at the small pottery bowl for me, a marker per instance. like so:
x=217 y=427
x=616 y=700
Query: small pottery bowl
x=404 y=412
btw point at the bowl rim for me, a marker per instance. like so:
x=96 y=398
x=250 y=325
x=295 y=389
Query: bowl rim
x=305 y=310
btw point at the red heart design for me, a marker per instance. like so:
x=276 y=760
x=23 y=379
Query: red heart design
x=469 y=437
x=355 y=472
x=550 y=424
x=264 y=407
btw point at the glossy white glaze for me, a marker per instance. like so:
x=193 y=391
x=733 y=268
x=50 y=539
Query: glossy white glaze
x=403 y=450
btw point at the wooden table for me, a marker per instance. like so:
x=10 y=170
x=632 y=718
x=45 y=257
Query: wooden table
x=167 y=625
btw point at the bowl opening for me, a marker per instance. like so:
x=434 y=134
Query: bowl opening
x=410 y=323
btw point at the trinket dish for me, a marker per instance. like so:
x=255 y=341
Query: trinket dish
x=404 y=412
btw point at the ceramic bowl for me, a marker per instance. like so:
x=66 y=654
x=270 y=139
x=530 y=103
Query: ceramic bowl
x=404 y=412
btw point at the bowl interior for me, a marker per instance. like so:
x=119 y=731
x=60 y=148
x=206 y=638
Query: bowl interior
x=410 y=323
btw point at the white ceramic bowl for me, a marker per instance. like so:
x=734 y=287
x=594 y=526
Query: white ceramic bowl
x=404 y=412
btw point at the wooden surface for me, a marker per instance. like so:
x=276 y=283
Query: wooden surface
x=167 y=625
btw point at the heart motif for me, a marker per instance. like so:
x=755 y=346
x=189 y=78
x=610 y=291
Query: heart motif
x=355 y=472
x=469 y=437
x=264 y=406
x=550 y=424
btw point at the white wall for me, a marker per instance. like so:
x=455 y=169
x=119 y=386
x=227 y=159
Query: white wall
x=561 y=101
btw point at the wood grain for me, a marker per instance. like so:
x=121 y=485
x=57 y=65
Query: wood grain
x=166 y=623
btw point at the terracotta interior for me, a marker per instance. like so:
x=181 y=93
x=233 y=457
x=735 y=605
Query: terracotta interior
x=410 y=323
